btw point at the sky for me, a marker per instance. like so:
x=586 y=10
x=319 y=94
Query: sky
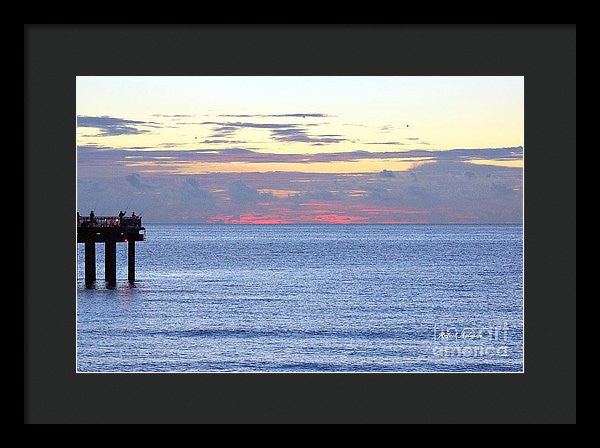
x=293 y=150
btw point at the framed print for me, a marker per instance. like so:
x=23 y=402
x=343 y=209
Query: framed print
x=236 y=233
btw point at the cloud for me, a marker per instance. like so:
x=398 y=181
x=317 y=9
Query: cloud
x=192 y=190
x=283 y=132
x=296 y=115
x=222 y=141
x=111 y=126
x=235 y=151
x=171 y=145
x=91 y=188
x=241 y=124
x=224 y=131
x=241 y=194
x=190 y=184
x=295 y=134
x=135 y=180
x=317 y=195
x=502 y=190
x=387 y=174
x=417 y=190
x=378 y=193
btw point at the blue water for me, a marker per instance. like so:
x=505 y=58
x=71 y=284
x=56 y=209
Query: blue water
x=324 y=298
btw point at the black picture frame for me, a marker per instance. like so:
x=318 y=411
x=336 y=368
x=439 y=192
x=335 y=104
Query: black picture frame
x=544 y=55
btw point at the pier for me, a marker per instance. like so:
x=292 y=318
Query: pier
x=109 y=230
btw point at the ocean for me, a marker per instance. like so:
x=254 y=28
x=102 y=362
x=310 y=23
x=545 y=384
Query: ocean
x=308 y=298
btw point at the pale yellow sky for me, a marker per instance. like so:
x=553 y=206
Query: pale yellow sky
x=404 y=112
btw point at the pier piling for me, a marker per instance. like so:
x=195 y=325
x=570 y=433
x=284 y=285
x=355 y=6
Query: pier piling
x=131 y=261
x=110 y=262
x=90 y=263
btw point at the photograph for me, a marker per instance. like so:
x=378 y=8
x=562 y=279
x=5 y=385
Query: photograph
x=299 y=224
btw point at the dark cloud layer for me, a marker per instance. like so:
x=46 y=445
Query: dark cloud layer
x=448 y=191
x=433 y=193
x=95 y=155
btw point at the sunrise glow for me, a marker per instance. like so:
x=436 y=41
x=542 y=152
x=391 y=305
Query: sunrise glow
x=255 y=150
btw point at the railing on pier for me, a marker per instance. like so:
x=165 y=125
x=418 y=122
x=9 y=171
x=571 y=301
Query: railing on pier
x=131 y=221
x=109 y=221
